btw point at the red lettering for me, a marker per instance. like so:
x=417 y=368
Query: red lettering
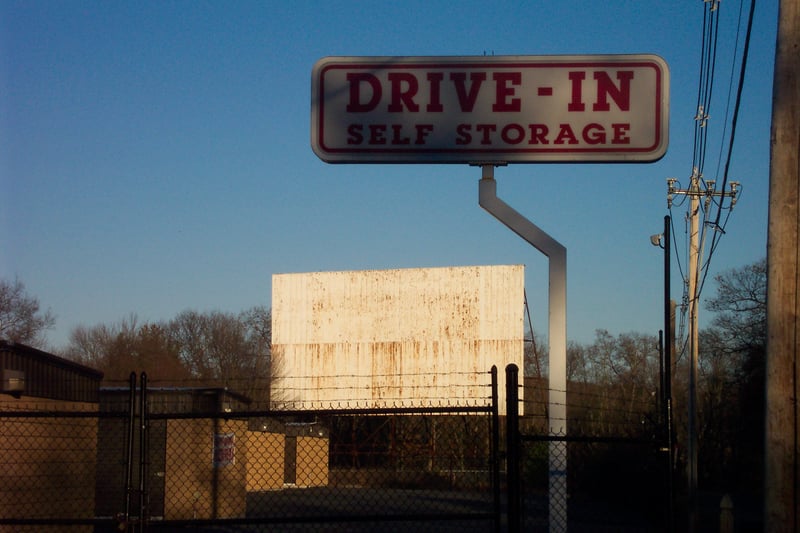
x=594 y=134
x=400 y=96
x=503 y=91
x=576 y=104
x=565 y=134
x=486 y=129
x=354 y=132
x=514 y=134
x=376 y=133
x=435 y=105
x=518 y=134
x=422 y=131
x=464 y=135
x=466 y=100
x=538 y=134
x=396 y=138
x=355 y=79
x=620 y=134
x=605 y=88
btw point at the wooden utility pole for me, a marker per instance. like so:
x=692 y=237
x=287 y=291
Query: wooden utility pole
x=695 y=192
x=694 y=340
x=783 y=296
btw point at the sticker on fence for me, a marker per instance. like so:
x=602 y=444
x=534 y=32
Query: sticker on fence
x=224 y=452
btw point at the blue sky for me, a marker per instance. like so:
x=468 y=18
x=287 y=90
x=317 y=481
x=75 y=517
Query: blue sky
x=155 y=156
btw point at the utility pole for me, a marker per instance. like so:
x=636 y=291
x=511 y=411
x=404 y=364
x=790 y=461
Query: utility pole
x=695 y=193
x=781 y=471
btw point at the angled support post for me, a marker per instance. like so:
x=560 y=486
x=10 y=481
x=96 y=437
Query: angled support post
x=557 y=334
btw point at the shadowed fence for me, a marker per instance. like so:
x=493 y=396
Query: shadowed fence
x=164 y=459
x=202 y=459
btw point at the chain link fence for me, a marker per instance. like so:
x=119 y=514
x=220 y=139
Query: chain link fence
x=614 y=484
x=48 y=467
x=201 y=459
x=177 y=459
x=321 y=468
x=590 y=479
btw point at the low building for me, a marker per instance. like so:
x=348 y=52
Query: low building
x=49 y=458
x=196 y=455
x=65 y=443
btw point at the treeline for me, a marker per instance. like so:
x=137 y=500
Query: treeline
x=213 y=349
x=614 y=385
x=731 y=382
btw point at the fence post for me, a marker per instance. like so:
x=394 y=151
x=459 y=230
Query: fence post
x=126 y=518
x=143 y=456
x=495 y=451
x=512 y=448
x=726 y=514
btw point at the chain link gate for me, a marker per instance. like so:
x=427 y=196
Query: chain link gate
x=614 y=483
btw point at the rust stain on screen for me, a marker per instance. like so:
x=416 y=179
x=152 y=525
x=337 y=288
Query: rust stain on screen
x=403 y=337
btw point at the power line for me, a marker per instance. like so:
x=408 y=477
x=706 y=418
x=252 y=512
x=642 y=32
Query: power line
x=742 y=71
x=703 y=197
x=712 y=209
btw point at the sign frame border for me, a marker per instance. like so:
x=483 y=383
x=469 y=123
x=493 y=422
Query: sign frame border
x=362 y=155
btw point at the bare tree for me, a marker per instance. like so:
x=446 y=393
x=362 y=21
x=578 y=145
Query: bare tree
x=189 y=329
x=258 y=326
x=89 y=345
x=618 y=378
x=21 y=319
x=741 y=306
x=732 y=384
x=257 y=322
x=227 y=349
x=100 y=346
x=126 y=347
x=212 y=349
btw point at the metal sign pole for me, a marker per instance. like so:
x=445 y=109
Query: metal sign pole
x=557 y=303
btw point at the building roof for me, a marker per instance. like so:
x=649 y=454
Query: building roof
x=49 y=376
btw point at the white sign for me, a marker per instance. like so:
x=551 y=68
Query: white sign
x=496 y=109
x=224 y=452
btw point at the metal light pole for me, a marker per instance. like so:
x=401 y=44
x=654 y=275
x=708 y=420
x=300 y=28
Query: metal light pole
x=664 y=241
x=669 y=335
